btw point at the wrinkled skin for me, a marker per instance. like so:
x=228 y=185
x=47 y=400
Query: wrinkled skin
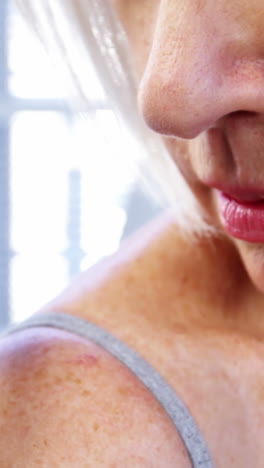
x=186 y=305
x=201 y=70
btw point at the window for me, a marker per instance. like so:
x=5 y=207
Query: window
x=67 y=193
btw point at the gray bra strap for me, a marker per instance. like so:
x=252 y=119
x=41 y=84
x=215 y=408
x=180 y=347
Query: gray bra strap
x=173 y=405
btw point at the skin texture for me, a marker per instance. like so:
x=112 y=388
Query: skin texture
x=201 y=84
x=166 y=298
x=193 y=307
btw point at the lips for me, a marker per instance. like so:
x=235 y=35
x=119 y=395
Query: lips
x=242 y=217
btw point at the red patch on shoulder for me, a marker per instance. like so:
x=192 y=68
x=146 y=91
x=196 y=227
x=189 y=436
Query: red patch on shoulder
x=86 y=360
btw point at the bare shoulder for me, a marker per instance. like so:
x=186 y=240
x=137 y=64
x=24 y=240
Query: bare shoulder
x=153 y=267
x=66 y=402
x=147 y=262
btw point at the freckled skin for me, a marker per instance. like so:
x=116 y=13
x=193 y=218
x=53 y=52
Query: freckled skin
x=57 y=412
x=85 y=360
x=188 y=305
x=201 y=84
x=167 y=299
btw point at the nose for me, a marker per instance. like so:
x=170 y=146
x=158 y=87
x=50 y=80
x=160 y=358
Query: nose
x=206 y=62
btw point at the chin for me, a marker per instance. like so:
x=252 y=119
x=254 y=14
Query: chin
x=252 y=256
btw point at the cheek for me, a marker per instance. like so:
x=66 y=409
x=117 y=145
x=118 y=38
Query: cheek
x=253 y=259
x=138 y=18
x=184 y=153
x=179 y=151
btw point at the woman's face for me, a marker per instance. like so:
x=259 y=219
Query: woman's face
x=201 y=70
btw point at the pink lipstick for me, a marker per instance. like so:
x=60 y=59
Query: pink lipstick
x=242 y=219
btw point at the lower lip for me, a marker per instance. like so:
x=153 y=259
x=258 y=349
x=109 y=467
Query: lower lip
x=242 y=220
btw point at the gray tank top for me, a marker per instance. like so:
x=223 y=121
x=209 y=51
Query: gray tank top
x=175 y=408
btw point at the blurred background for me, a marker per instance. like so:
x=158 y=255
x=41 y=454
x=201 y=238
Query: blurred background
x=68 y=194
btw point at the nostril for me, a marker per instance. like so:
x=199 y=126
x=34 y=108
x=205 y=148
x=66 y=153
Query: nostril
x=242 y=114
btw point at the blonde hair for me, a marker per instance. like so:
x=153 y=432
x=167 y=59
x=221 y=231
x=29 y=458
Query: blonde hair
x=78 y=32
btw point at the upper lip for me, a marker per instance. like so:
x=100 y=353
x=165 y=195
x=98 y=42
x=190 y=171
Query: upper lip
x=241 y=194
